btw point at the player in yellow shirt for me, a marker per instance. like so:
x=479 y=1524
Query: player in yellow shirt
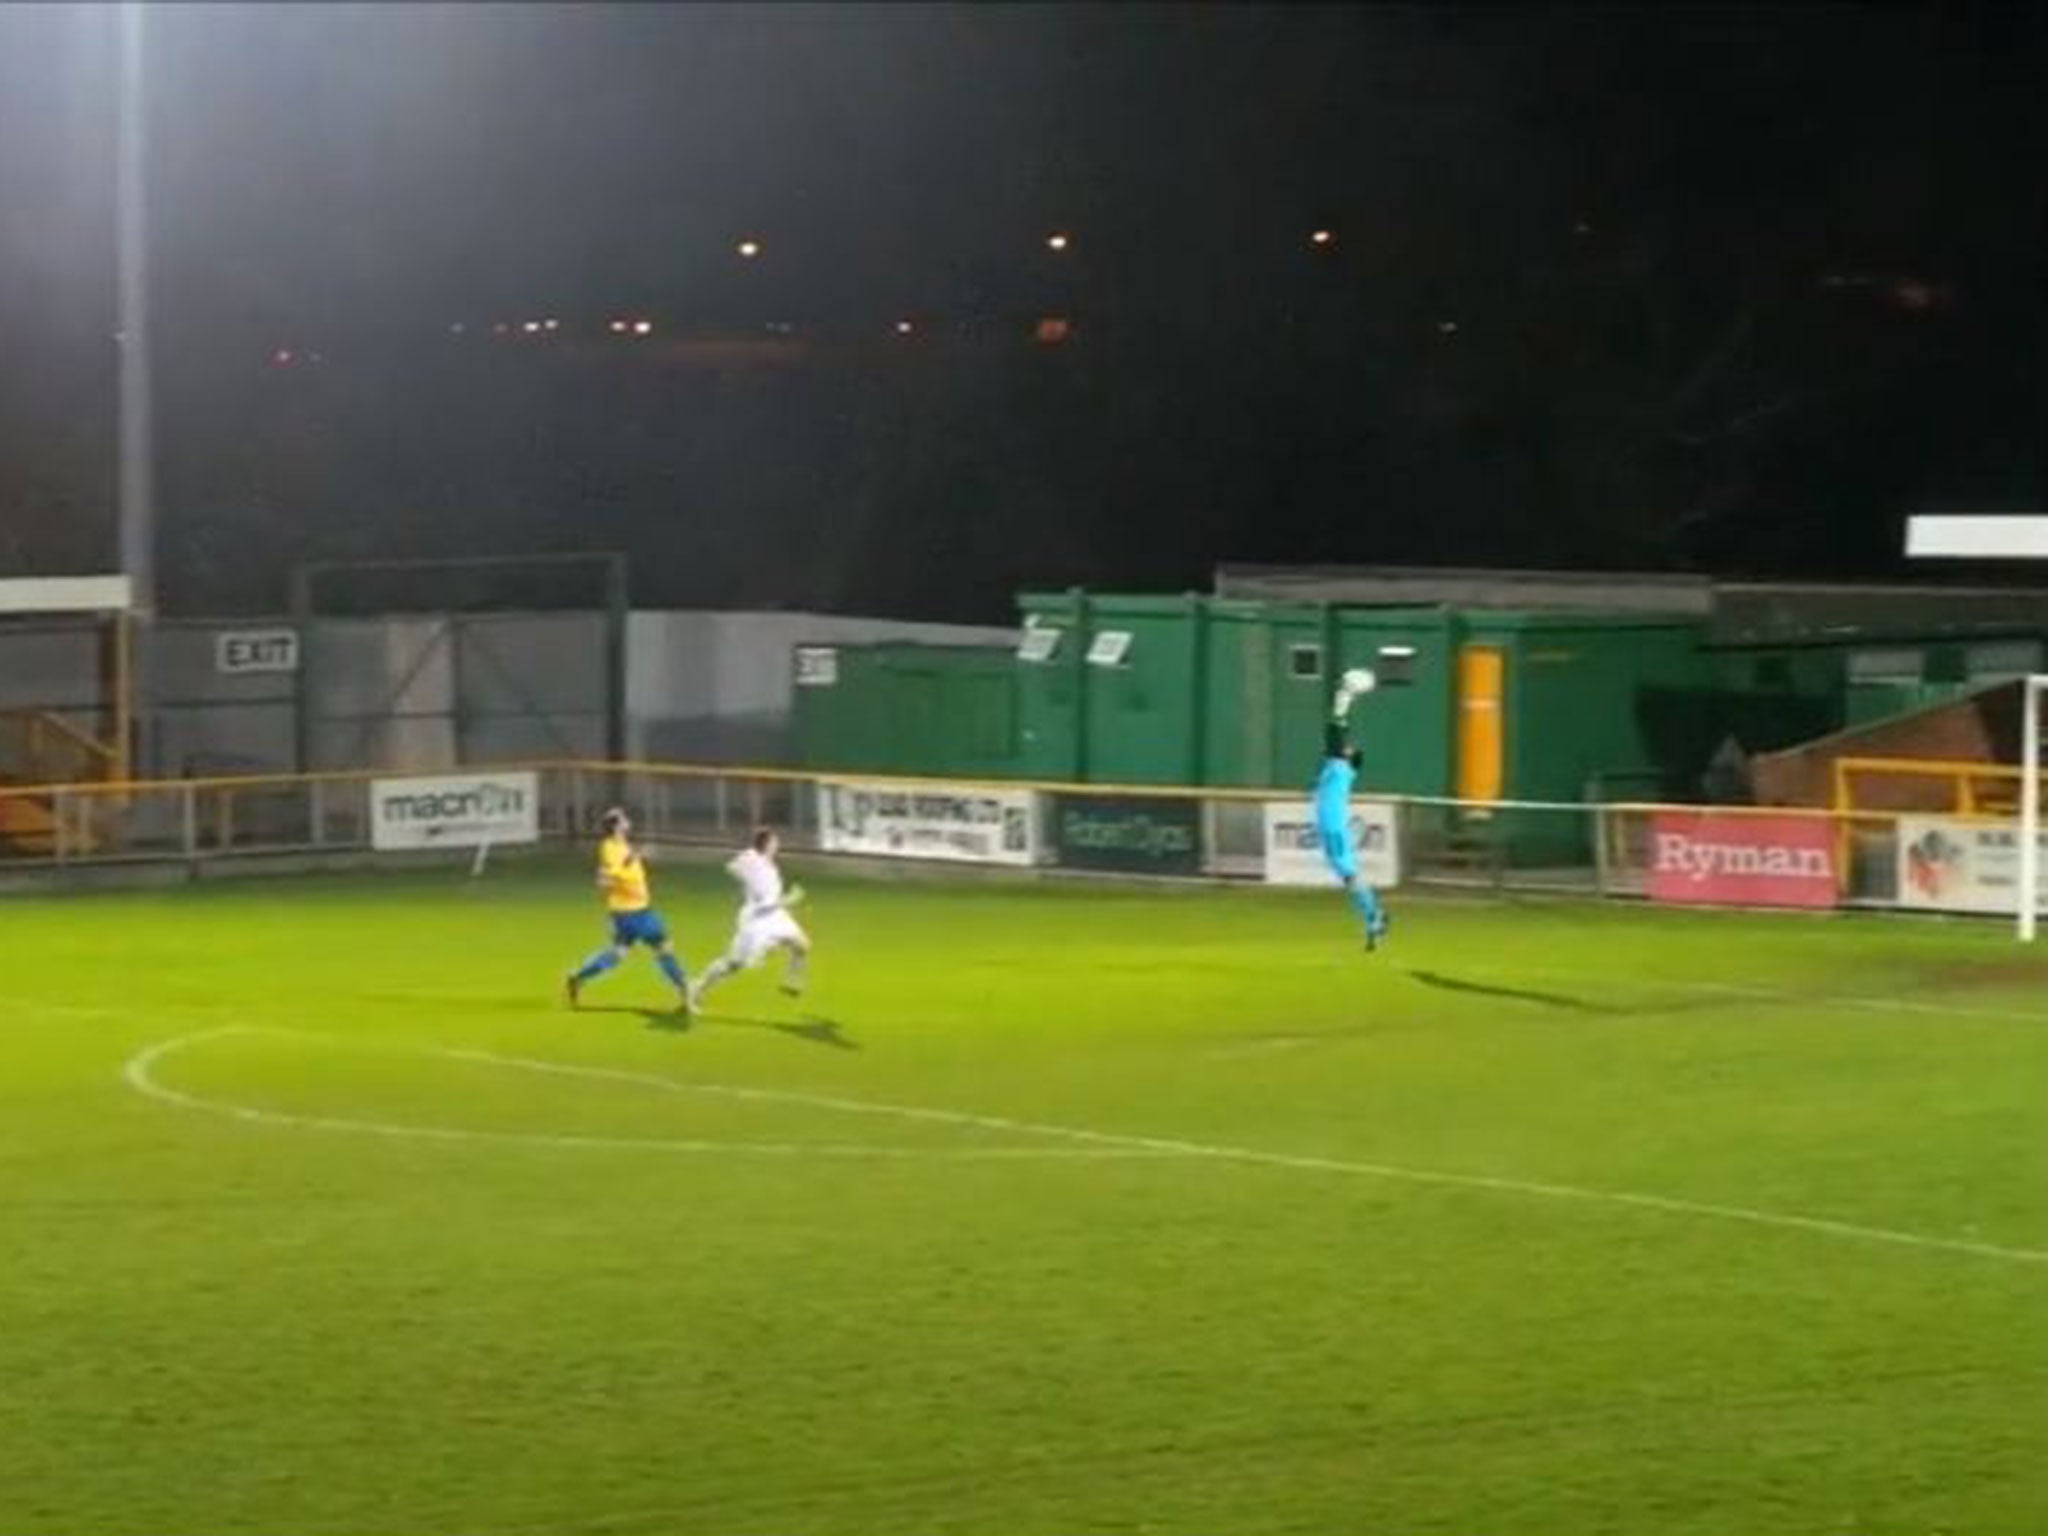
x=622 y=877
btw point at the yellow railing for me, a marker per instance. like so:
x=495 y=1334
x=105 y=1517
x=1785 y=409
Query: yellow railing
x=1972 y=798
x=1572 y=847
x=46 y=748
x=1972 y=789
x=705 y=771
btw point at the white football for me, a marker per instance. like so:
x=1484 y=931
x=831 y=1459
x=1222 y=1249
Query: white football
x=1360 y=680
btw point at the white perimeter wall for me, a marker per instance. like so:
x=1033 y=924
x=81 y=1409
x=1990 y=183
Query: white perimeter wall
x=711 y=687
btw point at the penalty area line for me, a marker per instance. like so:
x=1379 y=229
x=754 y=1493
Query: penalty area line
x=137 y=1072
x=1529 y=1188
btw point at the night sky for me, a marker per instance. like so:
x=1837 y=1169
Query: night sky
x=1726 y=289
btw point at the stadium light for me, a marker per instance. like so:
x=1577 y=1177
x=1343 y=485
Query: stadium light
x=1322 y=237
x=749 y=248
x=904 y=327
x=643 y=327
x=1056 y=241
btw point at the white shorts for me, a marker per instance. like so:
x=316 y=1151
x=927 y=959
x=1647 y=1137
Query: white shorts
x=755 y=936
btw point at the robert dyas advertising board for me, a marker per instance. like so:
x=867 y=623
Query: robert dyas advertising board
x=1129 y=834
x=465 y=810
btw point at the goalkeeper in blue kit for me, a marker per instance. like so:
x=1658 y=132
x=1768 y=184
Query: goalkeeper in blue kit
x=1333 y=807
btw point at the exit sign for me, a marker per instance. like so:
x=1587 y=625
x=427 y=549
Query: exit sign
x=256 y=650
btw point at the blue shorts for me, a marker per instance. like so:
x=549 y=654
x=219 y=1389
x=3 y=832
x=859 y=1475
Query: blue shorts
x=642 y=927
x=1338 y=852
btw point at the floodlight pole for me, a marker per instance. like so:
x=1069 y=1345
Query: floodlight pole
x=137 y=488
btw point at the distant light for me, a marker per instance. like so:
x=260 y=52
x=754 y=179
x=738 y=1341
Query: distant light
x=1321 y=237
x=531 y=327
x=1054 y=329
x=643 y=327
x=1447 y=327
x=749 y=249
x=1582 y=228
x=1057 y=241
x=500 y=328
x=904 y=327
x=619 y=327
x=457 y=328
x=281 y=356
x=551 y=325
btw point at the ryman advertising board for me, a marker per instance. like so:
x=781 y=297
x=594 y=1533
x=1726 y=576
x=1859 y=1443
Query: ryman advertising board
x=1720 y=858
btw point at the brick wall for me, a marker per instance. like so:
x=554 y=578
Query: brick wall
x=1983 y=728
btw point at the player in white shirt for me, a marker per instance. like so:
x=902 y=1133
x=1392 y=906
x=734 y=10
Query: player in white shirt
x=764 y=920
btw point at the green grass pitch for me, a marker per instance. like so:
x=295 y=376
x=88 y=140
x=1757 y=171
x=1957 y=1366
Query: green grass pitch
x=1051 y=1209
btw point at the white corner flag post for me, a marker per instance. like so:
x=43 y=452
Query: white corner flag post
x=2003 y=537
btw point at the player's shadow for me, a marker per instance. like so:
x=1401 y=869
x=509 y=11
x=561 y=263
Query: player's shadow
x=1562 y=1000
x=811 y=1028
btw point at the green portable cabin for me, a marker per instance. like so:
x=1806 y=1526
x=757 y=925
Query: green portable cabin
x=1565 y=708
x=1477 y=703
x=1551 y=703
x=939 y=711
x=1195 y=690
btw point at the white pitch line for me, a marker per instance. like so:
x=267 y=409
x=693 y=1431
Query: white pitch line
x=137 y=1073
x=1392 y=1171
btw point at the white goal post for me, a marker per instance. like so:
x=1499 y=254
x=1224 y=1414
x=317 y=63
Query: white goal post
x=2027 y=900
